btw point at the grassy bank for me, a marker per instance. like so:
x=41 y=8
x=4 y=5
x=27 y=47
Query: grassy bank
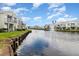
x=6 y=35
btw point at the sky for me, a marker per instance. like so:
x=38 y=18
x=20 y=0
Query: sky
x=43 y=13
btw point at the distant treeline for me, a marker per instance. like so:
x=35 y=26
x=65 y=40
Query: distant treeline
x=39 y=27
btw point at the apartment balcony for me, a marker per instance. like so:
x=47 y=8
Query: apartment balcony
x=10 y=22
x=10 y=19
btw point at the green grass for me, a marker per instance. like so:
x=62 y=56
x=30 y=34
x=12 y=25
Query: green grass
x=6 y=35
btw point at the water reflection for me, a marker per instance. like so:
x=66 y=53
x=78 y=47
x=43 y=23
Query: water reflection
x=50 y=43
x=35 y=48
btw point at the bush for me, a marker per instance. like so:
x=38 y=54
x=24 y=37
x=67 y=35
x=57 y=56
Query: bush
x=21 y=29
x=3 y=30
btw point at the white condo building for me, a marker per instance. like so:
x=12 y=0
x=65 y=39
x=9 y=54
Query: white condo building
x=67 y=25
x=9 y=21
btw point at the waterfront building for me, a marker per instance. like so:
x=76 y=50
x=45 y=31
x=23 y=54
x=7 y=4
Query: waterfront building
x=9 y=21
x=47 y=27
x=20 y=25
x=67 y=25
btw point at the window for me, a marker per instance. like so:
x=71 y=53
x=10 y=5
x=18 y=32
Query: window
x=15 y=20
x=9 y=18
x=73 y=28
x=72 y=23
x=58 y=25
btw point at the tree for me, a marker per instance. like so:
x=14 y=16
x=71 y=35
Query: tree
x=46 y=27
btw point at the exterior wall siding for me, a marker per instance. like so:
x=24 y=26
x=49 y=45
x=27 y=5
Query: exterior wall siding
x=2 y=21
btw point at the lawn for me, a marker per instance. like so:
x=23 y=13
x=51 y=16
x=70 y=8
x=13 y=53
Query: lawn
x=6 y=35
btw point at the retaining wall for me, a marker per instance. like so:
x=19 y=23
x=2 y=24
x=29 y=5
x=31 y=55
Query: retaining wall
x=12 y=45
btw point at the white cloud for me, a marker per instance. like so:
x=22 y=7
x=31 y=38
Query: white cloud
x=61 y=9
x=50 y=17
x=74 y=18
x=36 y=5
x=18 y=10
x=61 y=19
x=66 y=15
x=52 y=5
x=53 y=15
x=66 y=19
x=48 y=13
x=25 y=19
x=57 y=12
x=9 y=4
x=21 y=11
x=37 y=18
x=6 y=8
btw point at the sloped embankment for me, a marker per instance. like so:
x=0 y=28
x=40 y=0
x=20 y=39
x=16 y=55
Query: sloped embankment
x=8 y=46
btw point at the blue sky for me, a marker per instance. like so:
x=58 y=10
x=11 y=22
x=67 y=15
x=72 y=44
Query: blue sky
x=43 y=13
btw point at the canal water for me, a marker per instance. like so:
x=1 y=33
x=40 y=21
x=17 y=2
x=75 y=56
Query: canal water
x=50 y=43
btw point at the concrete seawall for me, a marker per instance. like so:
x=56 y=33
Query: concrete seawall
x=12 y=45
